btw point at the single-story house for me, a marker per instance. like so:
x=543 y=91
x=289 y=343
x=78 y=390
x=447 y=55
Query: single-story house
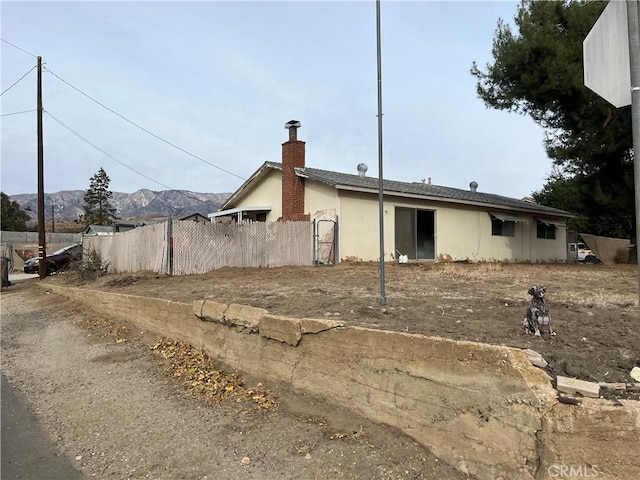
x=116 y=227
x=99 y=230
x=421 y=220
x=119 y=227
x=195 y=217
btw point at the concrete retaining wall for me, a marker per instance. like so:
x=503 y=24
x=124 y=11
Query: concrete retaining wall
x=483 y=409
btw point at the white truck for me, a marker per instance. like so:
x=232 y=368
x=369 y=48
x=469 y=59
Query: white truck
x=581 y=253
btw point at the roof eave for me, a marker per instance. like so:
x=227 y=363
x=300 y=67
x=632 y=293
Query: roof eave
x=454 y=200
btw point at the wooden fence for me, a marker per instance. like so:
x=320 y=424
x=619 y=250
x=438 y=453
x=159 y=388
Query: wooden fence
x=200 y=247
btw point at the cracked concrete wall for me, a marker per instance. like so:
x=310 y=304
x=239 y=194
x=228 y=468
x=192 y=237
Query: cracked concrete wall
x=482 y=408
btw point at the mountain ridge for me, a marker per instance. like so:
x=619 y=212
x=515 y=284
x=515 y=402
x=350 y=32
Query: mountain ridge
x=143 y=203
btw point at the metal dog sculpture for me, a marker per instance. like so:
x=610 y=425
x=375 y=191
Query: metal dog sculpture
x=537 y=319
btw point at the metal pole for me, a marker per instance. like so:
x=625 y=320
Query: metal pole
x=42 y=247
x=170 y=245
x=634 y=63
x=383 y=298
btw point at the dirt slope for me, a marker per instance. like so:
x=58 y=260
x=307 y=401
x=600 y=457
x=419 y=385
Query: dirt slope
x=594 y=308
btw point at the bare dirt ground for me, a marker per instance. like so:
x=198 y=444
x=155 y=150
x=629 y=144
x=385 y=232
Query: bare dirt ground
x=103 y=396
x=105 y=401
x=594 y=308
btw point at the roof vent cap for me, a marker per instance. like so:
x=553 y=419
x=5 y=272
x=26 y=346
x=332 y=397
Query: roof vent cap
x=473 y=186
x=362 y=169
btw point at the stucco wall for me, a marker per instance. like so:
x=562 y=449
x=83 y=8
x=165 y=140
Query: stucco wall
x=483 y=409
x=321 y=198
x=461 y=232
x=268 y=192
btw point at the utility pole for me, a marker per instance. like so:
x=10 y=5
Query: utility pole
x=383 y=298
x=42 y=249
x=633 y=22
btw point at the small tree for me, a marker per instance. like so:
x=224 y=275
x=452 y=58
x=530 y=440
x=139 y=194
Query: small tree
x=97 y=206
x=12 y=217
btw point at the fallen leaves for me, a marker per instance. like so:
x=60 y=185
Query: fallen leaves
x=201 y=379
x=121 y=331
x=99 y=322
x=340 y=435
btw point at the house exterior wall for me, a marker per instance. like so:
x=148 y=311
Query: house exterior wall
x=461 y=233
x=268 y=192
x=543 y=249
x=322 y=201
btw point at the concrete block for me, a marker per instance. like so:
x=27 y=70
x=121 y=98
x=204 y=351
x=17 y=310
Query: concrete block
x=535 y=358
x=574 y=386
x=613 y=386
x=283 y=329
x=313 y=325
x=244 y=315
x=211 y=311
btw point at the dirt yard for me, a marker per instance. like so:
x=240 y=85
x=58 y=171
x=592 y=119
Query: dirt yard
x=594 y=308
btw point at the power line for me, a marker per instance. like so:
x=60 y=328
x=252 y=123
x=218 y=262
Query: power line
x=16 y=113
x=15 y=46
x=144 y=129
x=106 y=153
x=18 y=81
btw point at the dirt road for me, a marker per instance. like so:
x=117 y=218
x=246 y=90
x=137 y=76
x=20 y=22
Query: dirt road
x=109 y=409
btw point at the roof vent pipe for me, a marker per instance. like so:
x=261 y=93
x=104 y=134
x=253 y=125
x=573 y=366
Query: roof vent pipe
x=362 y=169
x=473 y=186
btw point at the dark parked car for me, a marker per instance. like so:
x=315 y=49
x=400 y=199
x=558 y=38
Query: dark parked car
x=56 y=261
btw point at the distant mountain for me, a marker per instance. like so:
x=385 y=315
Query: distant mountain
x=142 y=204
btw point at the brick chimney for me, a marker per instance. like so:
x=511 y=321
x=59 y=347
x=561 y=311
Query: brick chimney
x=292 y=186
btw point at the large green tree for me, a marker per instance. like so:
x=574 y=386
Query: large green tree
x=12 y=217
x=537 y=70
x=97 y=201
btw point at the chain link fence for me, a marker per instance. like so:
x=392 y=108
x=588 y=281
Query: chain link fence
x=200 y=247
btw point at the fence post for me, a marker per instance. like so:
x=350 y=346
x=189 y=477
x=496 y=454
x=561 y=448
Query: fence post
x=336 y=249
x=169 y=246
x=314 y=239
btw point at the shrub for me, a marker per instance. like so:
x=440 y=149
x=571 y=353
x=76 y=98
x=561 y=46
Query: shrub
x=93 y=266
x=622 y=256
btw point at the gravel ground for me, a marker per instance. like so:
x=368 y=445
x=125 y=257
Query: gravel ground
x=108 y=407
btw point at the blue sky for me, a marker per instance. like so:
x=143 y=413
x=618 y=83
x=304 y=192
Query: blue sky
x=220 y=80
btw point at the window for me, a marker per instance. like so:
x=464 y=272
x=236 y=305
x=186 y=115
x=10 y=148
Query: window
x=503 y=228
x=504 y=224
x=546 y=230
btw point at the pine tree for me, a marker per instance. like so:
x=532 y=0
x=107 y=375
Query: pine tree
x=12 y=217
x=97 y=206
x=537 y=70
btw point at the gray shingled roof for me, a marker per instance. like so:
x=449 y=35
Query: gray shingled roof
x=436 y=192
x=337 y=179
